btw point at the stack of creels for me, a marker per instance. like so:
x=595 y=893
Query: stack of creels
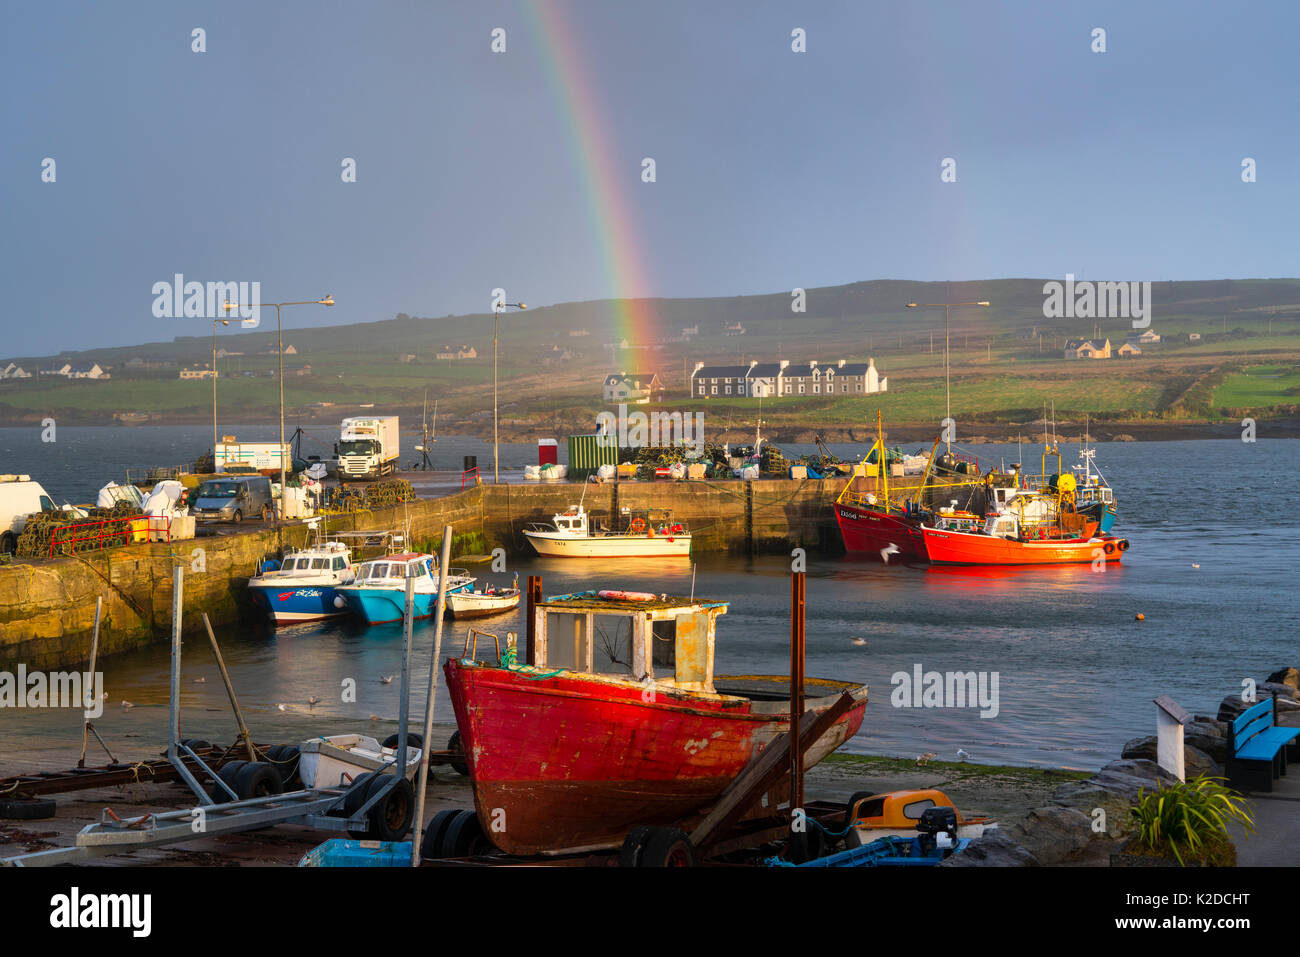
x=43 y=527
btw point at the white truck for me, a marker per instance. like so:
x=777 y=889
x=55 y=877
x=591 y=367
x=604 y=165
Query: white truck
x=367 y=447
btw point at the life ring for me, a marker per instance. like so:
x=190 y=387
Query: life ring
x=1109 y=548
x=637 y=526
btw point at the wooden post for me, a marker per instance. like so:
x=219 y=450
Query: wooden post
x=1170 y=718
x=797 y=585
x=530 y=622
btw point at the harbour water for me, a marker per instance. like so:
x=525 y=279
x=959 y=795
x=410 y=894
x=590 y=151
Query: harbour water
x=1213 y=532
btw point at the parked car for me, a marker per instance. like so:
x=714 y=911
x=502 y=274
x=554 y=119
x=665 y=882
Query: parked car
x=233 y=499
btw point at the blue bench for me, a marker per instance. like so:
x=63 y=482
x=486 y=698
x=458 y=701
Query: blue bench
x=1258 y=746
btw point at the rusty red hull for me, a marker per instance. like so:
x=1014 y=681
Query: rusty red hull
x=870 y=531
x=572 y=761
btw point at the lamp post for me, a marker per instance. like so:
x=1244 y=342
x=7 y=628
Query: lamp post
x=279 y=339
x=224 y=322
x=947 y=380
x=496 y=315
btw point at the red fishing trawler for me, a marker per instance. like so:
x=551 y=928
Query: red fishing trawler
x=619 y=722
x=1003 y=541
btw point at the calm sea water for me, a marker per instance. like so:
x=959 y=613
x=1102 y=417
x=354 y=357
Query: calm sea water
x=1212 y=567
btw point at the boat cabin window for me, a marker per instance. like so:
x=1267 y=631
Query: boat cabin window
x=568 y=643
x=378 y=571
x=397 y=570
x=338 y=564
x=320 y=563
x=914 y=810
x=612 y=652
x=664 y=653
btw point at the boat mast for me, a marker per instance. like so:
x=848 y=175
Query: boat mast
x=884 y=469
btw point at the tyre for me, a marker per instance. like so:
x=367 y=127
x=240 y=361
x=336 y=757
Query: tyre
x=357 y=794
x=630 y=854
x=459 y=765
x=1109 y=548
x=257 y=779
x=667 y=847
x=412 y=741
x=8 y=544
x=266 y=513
x=195 y=744
x=237 y=517
x=853 y=800
x=26 y=809
x=390 y=818
x=227 y=774
x=806 y=845
x=464 y=837
x=285 y=759
x=431 y=845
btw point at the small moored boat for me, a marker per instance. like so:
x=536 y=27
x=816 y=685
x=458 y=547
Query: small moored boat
x=652 y=535
x=481 y=604
x=378 y=592
x=303 y=586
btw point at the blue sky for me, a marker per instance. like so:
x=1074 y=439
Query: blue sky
x=774 y=169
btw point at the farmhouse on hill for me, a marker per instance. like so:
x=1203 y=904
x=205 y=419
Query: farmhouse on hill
x=634 y=387
x=1087 y=349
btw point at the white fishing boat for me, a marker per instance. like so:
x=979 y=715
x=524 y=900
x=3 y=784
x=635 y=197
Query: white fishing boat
x=302 y=586
x=650 y=535
x=481 y=604
x=342 y=758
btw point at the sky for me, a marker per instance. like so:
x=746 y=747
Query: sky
x=524 y=169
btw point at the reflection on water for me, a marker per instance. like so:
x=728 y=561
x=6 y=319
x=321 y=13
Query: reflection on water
x=1077 y=673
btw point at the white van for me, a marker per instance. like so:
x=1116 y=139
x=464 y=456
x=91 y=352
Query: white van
x=19 y=498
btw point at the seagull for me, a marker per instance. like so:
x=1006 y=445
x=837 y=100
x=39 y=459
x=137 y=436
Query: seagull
x=374 y=717
x=127 y=705
x=386 y=679
x=1195 y=565
x=199 y=681
x=281 y=707
x=962 y=754
x=890 y=549
x=925 y=758
x=313 y=700
x=858 y=641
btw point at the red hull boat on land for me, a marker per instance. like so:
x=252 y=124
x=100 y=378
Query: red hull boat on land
x=572 y=753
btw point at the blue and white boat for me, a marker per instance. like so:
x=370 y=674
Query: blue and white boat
x=303 y=587
x=1094 y=497
x=378 y=591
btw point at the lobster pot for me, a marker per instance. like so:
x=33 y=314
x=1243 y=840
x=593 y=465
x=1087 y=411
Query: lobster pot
x=587 y=453
x=548 y=452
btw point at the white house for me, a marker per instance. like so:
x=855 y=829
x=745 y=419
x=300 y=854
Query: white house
x=635 y=387
x=13 y=371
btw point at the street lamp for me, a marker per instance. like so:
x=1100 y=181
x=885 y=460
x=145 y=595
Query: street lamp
x=224 y=322
x=496 y=315
x=947 y=381
x=279 y=339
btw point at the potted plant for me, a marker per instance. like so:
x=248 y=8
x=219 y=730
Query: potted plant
x=1185 y=824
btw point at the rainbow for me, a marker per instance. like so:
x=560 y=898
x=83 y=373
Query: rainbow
x=608 y=178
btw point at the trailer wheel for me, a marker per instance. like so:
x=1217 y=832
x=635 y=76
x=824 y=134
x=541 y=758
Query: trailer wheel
x=630 y=854
x=285 y=759
x=412 y=741
x=256 y=780
x=8 y=544
x=464 y=837
x=357 y=794
x=227 y=774
x=26 y=809
x=461 y=767
x=431 y=845
x=390 y=818
x=667 y=847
